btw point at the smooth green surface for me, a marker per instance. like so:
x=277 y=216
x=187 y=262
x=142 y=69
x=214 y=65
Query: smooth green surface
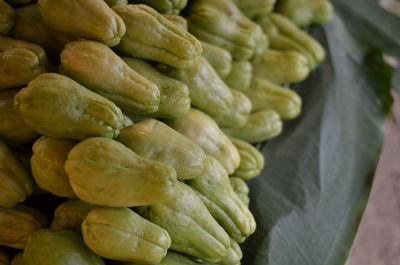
x=6 y=17
x=240 y=187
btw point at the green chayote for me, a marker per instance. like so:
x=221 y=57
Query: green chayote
x=47 y=162
x=237 y=114
x=4 y=259
x=192 y=228
x=154 y=140
x=175 y=99
x=164 y=6
x=207 y=91
x=254 y=8
x=122 y=234
x=13 y=130
x=15 y=182
x=48 y=247
x=98 y=68
x=260 y=126
x=151 y=36
x=221 y=23
x=306 y=12
x=219 y=58
x=172 y=258
x=265 y=95
x=17 y=259
x=216 y=192
x=101 y=22
x=57 y=106
x=251 y=160
x=18 y=223
x=70 y=215
x=240 y=75
x=6 y=17
x=241 y=189
x=20 y=62
x=112 y=3
x=233 y=256
x=98 y=167
x=281 y=67
x=177 y=20
x=203 y=130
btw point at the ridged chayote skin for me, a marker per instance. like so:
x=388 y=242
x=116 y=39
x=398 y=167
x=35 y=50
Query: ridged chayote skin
x=47 y=165
x=265 y=95
x=122 y=234
x=237 y=114
x=240 y=75
x=221 y=23
x=6 y=17
x=219 y=58
x=164 y=6
x=281 y=67
x=98 y=68
x=4 y=259
x=177 y=20
x=192 y=228
x=175 y=99
x=98 y=167
x=20 y=62
x=216 y=192
x=57 y=106
x=207 y=90
x=172 y=258
x=13 y=130
x=101 y=22
x=260 y=126
x=203 y=130
x=251 y=160
x=70 y=215
x=233 y=256
x=254 y=8
x=241 y=189
x=15 y=182
x=155 y=140
x=306 y=12
x=151 y=36
x=18 y=223
x=112 y=3
x=48 y=247
x=17 y=259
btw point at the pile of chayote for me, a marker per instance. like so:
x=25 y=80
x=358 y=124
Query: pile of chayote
x=135 y=120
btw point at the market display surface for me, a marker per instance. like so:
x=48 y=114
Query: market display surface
x=131 y=131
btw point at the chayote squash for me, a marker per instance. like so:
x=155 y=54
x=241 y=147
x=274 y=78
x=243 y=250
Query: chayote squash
x=172 y=258
x=13 y=130
x=207 y=91
x=240 y=75
x=192 y=228
x=164 y=6
x=219 y=58
x=20 y=62
x=233 y=256
x=155 y=140
x=70 y=215
x=17 y=259
x=15 y=182
x=177 y=20
x=98 y=68
x=18 y=223
x=48 y=247
x=57 y=106
x=306 y=12
x=112 y=3
x=260 y=126
x=175 y=100
x=203 y=130
x=149 y=35
x=98 y=167
x=281 y=67
x=241 y=189
x=221 y=23
x=216 y=192
x=251 y=160
x=254 y=8
x=122 y=234
x=101 y=22
x=47 y=162
x=265 y=95
x=4 y=259
x=6 y=17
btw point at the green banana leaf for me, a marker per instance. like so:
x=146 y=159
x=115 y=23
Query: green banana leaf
x=310 y=197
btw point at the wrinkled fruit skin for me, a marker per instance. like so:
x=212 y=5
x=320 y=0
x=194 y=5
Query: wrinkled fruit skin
x=97 y=167
x=47 y=247
x=18 y=223
x=233 y=256
x=255 y=8
x=57 y=106
x=241 y=189
x=101 y=23
x=240 y=75
x=121 y=234
x=219 y=58
x=155 y=140
x=164 y=6
x=98 y=68
x=177 y=20
x=203 y=130
x=192 y=228
x=112 y=3
x=6 y=17
x=151 y=36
